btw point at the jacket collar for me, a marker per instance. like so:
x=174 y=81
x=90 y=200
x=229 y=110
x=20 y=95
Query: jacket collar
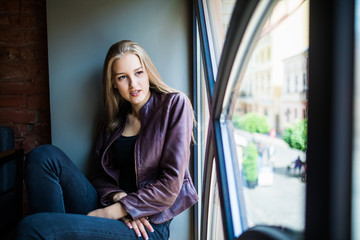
x=145 y=111
x=149 y=105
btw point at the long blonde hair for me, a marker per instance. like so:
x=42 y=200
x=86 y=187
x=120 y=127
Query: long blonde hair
x=114 y=104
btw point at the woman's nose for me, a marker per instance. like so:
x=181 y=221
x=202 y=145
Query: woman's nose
x=132 y=81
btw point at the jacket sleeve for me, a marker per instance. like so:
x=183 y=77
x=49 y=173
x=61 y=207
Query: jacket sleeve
x=161 y=194
x=103 y=183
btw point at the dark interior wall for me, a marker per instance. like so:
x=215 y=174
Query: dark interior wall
x=24 y=82
x=79 y=35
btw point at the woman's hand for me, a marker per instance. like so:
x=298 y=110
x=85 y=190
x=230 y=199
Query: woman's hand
x=117 y=196
x=114 y=211
x=139 y=226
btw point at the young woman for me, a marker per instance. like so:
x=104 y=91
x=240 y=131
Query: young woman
x=142 y=153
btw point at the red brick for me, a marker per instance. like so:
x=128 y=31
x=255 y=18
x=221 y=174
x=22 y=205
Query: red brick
x=44 y=116
x=29 y=21
x=15 y=101
x=30 y=143
x=34 y=52
x=41 y=84
x=33 y=7
x=4 y=20
x=9 y=7
x=27 y=53
x=20 y=130
x=15 y=116
x=38 y=101
x=9 y=53
x=12 y=35
x=42 y=130
x=28 y=129
x=18 y=144
x=34 y=69
x=16 y=87
x=35 y=36
x=41 y=52
x=24 y=84
x=11 y=71
x=12 y=20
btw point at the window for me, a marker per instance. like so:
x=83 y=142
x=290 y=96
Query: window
x=272 y=168
x=241 y=76
x=236 y=65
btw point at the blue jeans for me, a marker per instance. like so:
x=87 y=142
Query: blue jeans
x=59 y=198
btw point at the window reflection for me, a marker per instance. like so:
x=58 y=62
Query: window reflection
x=203 y=112
x=202 y=116
x=270 y=120
x=219 y=15
x=215 y=224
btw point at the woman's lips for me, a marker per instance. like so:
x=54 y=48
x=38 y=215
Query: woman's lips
x=135 y=93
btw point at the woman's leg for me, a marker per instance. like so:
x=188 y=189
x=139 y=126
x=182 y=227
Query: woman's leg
x=76 y=227
x=55 y=184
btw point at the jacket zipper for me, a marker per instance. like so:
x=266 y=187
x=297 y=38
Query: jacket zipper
x=135 y=160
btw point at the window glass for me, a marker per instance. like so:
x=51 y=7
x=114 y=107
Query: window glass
x=218 y=14
x=270 y=122
x=215 y=224
x=202 y=124
x=203 y=111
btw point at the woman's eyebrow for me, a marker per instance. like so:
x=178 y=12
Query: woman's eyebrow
x=124 y=73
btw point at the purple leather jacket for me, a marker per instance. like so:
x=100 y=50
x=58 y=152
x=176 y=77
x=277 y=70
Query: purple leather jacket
x=162 y=152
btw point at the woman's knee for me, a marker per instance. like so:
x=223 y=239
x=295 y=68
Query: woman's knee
x=44 y=157
x=43 y=154
x=32 y=227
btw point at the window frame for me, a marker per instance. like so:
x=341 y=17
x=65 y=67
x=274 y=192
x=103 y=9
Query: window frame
x=330 y=120
x=330 y=116
x=221 y=124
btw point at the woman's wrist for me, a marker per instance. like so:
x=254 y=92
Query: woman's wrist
x=117 y=211
x=117 y=196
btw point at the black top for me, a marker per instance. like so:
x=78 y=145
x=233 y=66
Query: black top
x=123 y=159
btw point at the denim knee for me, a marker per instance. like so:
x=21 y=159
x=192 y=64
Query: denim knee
x=42 y=152
x=30 y=227
x=43 y=156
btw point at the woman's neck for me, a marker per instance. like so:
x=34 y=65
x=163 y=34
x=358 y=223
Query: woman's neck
x=135 y=112
x=132 y=126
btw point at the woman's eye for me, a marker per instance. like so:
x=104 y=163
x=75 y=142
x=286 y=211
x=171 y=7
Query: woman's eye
x=121 y=77
x=139 y=72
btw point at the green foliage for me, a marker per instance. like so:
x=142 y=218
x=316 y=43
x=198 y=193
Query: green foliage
x=250 y=163
x=296 y=135
x=252 y=122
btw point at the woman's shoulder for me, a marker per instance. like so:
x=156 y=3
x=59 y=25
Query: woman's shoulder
x=168 y=102
x=174 y=97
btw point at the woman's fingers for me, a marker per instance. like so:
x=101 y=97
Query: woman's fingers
x=142 y=229
x=137 y=230
x=139 y=226
x=127 y=221
x=147 y=224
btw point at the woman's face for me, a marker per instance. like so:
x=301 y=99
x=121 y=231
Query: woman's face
x=131 y=79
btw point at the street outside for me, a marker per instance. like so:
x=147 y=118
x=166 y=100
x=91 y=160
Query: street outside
x=279 y=198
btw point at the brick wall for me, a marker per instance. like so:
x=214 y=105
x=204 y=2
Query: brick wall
x=24 y=81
